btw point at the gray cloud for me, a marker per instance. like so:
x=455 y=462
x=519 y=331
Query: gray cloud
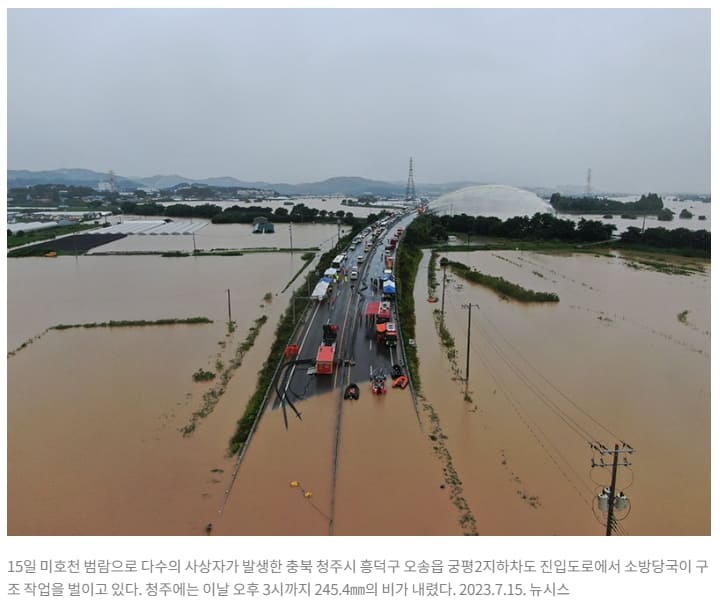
x=527 y=97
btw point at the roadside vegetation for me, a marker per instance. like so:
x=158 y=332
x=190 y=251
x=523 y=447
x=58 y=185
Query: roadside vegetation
x=409 y=256
x=432 y=281
x=408 y=260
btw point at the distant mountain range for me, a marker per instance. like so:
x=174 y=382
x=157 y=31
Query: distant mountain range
x=67 y=176
x=347 y=186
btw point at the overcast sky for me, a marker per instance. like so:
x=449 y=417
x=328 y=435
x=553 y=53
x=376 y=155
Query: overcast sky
x=522 y=97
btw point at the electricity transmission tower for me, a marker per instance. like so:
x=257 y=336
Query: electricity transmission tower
x=410 y=189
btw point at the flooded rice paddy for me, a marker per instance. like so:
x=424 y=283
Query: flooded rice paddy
x=94 y=415
x=624 y=355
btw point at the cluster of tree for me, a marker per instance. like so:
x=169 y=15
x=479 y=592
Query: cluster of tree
x=680 y=238
x=367 y=199
x=541 y=226
x=243 y=215
x=649 y=204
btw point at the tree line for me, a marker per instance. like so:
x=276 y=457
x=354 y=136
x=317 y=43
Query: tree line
x=428 y=229
x=678 y=238
x=541 y=226
x=649 y=204
x=245 y=215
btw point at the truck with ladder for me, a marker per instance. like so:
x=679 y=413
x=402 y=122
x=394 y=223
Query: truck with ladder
x=325 y=359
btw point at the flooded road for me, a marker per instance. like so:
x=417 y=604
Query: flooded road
x=387 y=482
x=611 y=361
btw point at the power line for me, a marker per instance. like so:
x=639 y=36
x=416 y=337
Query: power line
x=518 y=409
x=563 y=416
x=542 y=376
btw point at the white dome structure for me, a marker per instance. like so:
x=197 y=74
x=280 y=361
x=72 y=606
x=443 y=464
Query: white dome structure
x=500 y=201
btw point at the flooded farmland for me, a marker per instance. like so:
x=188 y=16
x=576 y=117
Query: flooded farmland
x=624 y=356
x=220 y=237
x=94 y=445
x=97 y=448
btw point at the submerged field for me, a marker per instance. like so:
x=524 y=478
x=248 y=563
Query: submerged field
x=613 y=360
x=95 y=415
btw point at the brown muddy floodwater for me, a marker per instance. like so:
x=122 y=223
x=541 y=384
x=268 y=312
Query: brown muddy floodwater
x=617 y=359
x=43 y=292
x=94 y=446
x=94 y=414
x=387 y=483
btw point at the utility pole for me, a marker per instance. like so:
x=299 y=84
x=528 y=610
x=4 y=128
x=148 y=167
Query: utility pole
x=612 y=490
x=193 y=238
x=229 y=305
x=443 y=300
x=468 y=342
x=290 y=236
x=609 y=500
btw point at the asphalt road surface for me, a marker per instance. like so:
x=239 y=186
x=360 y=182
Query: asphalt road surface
x=357 y=353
